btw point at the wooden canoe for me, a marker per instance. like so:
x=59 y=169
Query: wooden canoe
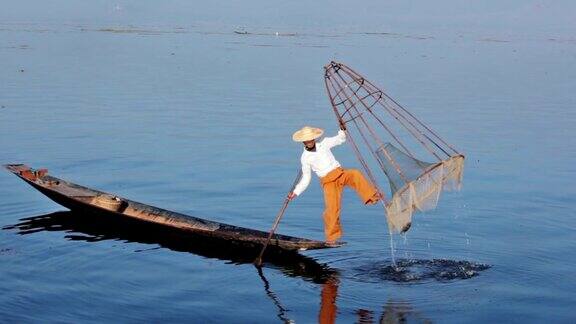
x=79 y=198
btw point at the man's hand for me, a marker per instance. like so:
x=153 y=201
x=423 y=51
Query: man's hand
x=291 y=196
x=342 y=125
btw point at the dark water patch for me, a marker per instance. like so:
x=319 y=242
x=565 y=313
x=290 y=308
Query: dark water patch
x=562 y=40
x=311 y=33
x=418 y=270
x=279 y=34
x=265 y=45
x=310 y=45
x=6 y=251
x=494 y=40
x=27 y=30
x=22 y=47
x=379 y=33
x=397 y=35
x=418 y=37
x=137 y=30
x=133 y=31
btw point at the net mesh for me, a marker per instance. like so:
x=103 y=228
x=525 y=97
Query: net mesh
x=386 y=136
x=415 y=185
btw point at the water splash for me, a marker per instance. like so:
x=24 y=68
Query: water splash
x=392 y=249
x=418 y=270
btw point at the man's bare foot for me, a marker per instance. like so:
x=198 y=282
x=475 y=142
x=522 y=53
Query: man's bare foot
x=334 y=243
x=375 y=198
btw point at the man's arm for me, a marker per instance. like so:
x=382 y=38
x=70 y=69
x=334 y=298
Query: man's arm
x=304 y=181
x=335 y=140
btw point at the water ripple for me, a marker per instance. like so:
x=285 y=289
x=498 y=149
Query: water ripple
x=418 y=270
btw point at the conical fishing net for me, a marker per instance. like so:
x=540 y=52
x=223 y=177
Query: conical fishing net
x=371 y=116
x=416 y=185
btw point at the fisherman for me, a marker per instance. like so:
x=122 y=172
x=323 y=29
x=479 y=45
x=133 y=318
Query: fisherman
x=318 y=157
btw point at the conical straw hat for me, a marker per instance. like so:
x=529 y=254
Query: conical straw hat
x=307 y=133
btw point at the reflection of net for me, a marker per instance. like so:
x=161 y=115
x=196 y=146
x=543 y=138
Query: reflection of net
x=419 y=184
x=369 y=113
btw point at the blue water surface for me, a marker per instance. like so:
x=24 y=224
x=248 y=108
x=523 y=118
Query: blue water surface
x=191 y=107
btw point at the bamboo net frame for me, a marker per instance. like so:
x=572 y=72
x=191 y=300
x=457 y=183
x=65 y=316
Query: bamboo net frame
x=369 y=114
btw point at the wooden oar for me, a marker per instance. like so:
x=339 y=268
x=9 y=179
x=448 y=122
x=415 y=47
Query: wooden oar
x=258 y=261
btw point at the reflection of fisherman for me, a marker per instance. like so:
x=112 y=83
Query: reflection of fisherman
x=328 y=308
x=394 y=312
x=318 y=158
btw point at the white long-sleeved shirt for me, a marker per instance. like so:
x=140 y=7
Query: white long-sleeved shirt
x=320 y=161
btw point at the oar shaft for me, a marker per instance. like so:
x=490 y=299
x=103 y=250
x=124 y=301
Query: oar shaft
x=273 y=229
x=277 y=220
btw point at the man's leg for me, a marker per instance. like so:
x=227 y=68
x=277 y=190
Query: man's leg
x=332 y=198
x=358 y=182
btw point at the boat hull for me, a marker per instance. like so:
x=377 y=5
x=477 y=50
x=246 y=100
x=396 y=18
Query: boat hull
x=86 y=200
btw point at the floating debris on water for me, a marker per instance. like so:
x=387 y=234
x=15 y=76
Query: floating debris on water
x=417 y=270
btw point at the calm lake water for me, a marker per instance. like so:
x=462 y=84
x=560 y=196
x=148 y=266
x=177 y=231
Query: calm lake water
x=166 y=104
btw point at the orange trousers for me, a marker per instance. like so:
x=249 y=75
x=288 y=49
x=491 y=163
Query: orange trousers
x=333 y=184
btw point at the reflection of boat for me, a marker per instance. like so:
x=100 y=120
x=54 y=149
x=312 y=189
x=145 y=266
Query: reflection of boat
x=78 y=198
x=90 y=228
